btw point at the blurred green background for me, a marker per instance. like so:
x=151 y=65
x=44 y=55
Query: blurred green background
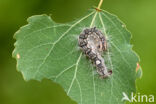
x=138 y=15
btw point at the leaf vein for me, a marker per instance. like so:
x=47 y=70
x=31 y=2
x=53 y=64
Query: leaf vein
x=80 y=90
x=58 y=41
x=108 y=58
x=114 y=25
x=74 y=77
x=64 y=71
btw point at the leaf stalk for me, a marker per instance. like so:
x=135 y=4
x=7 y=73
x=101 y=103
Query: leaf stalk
x=99 y=5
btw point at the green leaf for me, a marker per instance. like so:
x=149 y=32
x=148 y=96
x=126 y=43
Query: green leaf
x=45 y=49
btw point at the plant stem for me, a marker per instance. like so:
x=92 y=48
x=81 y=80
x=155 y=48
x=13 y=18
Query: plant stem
x=100 y=3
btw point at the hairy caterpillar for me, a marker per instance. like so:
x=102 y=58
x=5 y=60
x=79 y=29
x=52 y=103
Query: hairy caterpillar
x=93 y=43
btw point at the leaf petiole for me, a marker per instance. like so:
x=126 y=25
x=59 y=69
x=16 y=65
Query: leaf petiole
x=99 y=5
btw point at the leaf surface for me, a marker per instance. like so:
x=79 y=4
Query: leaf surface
x=45 y=49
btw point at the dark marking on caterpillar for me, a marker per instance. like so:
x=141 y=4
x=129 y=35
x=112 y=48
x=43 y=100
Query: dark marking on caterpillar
x=93 y=43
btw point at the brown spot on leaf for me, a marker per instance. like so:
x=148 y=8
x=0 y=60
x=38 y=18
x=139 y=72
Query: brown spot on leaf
x=138 y=66
x=18 y=56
